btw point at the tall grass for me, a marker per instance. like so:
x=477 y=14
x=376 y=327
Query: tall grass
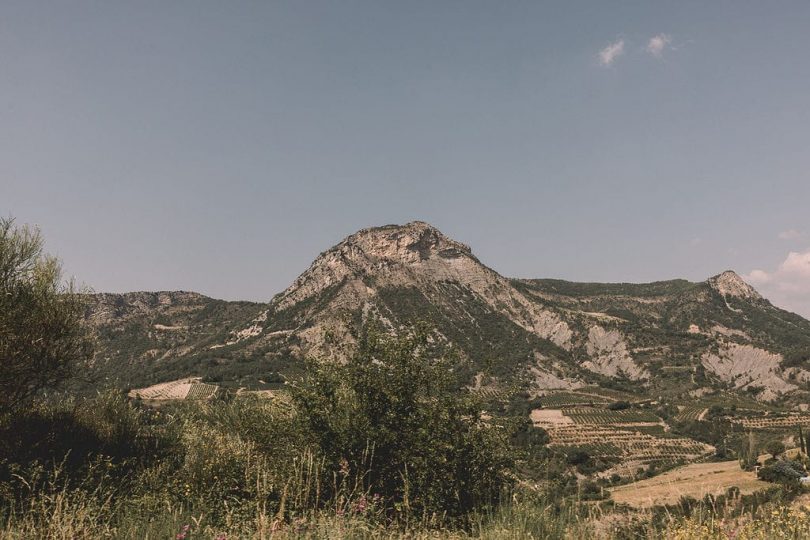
x=245 y=469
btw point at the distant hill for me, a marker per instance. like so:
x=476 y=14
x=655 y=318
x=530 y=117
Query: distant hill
x=669 y=338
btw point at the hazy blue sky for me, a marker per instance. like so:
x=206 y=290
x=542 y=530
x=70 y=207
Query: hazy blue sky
x=221 y=146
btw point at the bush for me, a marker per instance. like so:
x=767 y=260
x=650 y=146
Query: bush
x=782 y=472
x=618 y=406
x=775 y=448
x=394 y=419
x=42 y=335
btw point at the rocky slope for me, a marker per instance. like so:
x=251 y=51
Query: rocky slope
x=657 y=338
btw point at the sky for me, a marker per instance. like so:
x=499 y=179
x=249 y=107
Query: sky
x=221 y=146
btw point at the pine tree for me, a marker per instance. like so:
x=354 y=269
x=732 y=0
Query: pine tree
x=802 y=446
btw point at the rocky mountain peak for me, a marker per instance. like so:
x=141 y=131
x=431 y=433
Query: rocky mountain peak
x=410 y=243
x=394 y=253
x=729 y=283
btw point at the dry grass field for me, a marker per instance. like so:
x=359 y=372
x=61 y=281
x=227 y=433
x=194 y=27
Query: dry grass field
x=696 y=480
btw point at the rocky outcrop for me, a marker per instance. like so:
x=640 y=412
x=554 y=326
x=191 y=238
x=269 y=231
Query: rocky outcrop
x=608 y=354
x=745 y=366
x=417 y=255
x=104 y=308
x=730 y=284
x=553 y=333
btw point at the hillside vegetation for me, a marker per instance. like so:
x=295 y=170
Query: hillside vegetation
x=400 y=388
x=670 y=338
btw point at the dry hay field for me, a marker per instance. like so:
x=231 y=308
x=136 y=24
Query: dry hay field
x=696 y=480
x=188 y=388
x=623 y=435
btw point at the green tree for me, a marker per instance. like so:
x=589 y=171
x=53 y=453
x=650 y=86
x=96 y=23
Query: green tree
x=749 y=451
x=395 y=417
x=775 y=448
x=42 y=335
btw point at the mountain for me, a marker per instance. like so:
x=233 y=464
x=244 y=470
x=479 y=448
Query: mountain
x=664 y=338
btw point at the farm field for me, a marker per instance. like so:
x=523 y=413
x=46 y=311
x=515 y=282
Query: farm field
x=773 y=423
x=696 y=480
x=188 y=388
x=572 y=399
x=625 y=436
x=590 y=395
x=590 y=415
x=691 y=412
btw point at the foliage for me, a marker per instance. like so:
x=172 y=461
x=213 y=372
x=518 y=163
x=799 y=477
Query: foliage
x=618 y=405
x=775 y=448
x=394 y=418
x=783 y=472
x=42 y=337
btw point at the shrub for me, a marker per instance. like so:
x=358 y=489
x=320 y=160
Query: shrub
x=395 y=419
x=782 y=472
x=618 y=406
x=775 y=448
x=42 y=336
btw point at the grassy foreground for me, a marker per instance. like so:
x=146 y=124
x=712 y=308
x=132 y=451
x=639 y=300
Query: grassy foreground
x=386 y=445
x=107 y=468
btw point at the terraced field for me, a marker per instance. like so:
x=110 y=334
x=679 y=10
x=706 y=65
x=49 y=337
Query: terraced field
x=189 y=388
x=773 y=423
x=633 y=449
x=696 y=480
x=491 y=393
x=202 y=391
x=635 y=438
x=590 y=415
x=572 y=399
x=589 y=395
x=691 y=412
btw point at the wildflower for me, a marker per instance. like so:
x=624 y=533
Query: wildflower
x=360 y=505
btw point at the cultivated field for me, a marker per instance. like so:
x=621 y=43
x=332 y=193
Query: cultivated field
x=584 y=396
x=773 y=423
x=691 y=412
x=696 y=480
x=625 y=435
x=188 y=388
x=590 y=415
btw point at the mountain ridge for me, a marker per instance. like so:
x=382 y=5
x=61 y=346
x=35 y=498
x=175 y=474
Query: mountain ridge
x=527 y=331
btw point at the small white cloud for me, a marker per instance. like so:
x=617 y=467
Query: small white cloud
x=609 y=54
x=758 y=277
x=789 y=284
x=696 y=241
x=790 y=234
x=657 y=44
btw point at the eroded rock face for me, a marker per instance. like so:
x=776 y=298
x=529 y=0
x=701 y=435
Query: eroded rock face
x=609 y=355
x=745 y=365
x=104 y=308
x=396 y=274
x=732 y=285
x=417 y=255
